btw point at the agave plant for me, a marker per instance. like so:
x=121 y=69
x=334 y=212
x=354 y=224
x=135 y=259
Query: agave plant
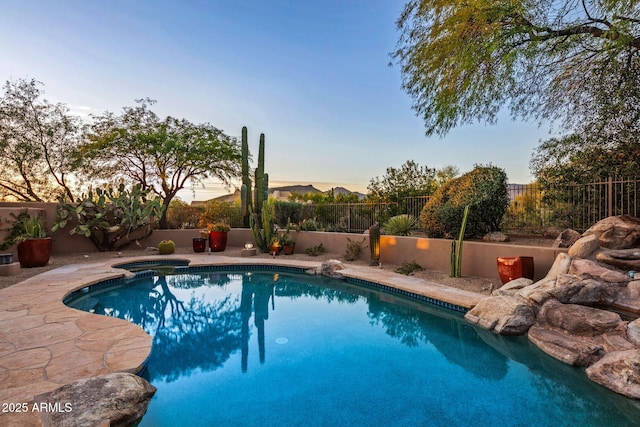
x=400 y=225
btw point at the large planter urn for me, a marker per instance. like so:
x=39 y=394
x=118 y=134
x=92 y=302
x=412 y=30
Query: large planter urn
x=34 y=252
x=510 y=268
x=217 y=241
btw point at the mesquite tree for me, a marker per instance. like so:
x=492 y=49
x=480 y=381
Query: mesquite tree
x=36 y=139
x=162 y=155
x=464 y=61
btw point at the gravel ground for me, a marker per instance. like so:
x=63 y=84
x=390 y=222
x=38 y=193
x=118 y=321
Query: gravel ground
x=469 y=283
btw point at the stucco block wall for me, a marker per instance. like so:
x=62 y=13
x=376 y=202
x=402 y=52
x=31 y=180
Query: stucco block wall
x=478 y=258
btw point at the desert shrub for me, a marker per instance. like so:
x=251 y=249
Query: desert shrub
x=400 y=225
x=408 y=268
x=287 y=212
x=309 y=224
x=220 y=211
x=315 y=250
x=181 y=215
x=484 y=189
x=354 y=249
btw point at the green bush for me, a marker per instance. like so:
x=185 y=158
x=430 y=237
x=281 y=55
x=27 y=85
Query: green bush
x=484 y=189
x=354 y=249
x=220 y=211
x=181 y=215
x=400 y=225
x=287 y=212
x=315 y=250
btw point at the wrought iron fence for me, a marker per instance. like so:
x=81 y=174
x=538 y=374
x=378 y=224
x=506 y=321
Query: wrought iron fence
x=358 y=217
x=575 y=206
x=532 y=208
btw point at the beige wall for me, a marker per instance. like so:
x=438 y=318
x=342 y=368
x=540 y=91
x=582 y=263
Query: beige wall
x=478 y=259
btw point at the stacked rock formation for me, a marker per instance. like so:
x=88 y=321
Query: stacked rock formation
x=574 y=313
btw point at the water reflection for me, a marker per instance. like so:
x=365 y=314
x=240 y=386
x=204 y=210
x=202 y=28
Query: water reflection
x=200 y=321
x=202 y=329
x=255 y=299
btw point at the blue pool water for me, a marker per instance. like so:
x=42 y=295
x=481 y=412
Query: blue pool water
x=279 y=349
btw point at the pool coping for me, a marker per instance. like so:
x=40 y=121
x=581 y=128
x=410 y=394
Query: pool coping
x=44 y=344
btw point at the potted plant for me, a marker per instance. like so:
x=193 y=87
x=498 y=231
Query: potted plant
x=218 y=236
x=34 y=247
x=288 y=243
x=275 y=246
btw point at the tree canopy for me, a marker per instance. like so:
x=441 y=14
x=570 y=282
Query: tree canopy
x=605 y=143
x=568 y=60
x=410 y=180
x=36 y=138
x=163 y=155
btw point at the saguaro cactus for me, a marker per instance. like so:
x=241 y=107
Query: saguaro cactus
x=261 y=192
x=245 y=190
x=255 y=212
x=253 y=199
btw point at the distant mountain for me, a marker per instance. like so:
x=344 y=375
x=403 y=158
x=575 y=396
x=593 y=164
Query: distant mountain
x=302 y=189
x=282 y=193
x=342 y=190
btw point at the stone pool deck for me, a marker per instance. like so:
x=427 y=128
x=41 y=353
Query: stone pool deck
x=45 y=344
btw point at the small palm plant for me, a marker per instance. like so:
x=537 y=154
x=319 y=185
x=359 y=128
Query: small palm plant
x=400 y=225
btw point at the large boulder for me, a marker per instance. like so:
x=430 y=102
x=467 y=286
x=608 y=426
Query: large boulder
x=625 y=259
x=560 y=266
x=576 y=334
x=510 y=288
x=331 y=269
x=558 y=311
x=618 y=371
x=633 y=332
x=617 y=232
x=502 y=314
x=578 y=319
x=495 y=236
x=588 y=268
x=584 y=247
x=568 y=349
x=568 y=289
x=566 y=238
x=115 y=399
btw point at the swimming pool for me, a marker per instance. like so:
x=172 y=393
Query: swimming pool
x=277 y=348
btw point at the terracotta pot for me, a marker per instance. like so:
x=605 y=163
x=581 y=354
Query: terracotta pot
x=510 y=268
x=288 y=250
x=199 y=244
x=34 y=252
x=218 y=241
x=275 y=249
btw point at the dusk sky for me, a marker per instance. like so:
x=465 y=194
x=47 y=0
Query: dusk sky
x=312 y=75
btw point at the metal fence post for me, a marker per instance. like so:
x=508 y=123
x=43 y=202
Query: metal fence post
x=609 y=197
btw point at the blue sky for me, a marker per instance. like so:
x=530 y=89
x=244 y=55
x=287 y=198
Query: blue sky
x=312 y=75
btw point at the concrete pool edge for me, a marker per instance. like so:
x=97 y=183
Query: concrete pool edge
x=44 y=344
